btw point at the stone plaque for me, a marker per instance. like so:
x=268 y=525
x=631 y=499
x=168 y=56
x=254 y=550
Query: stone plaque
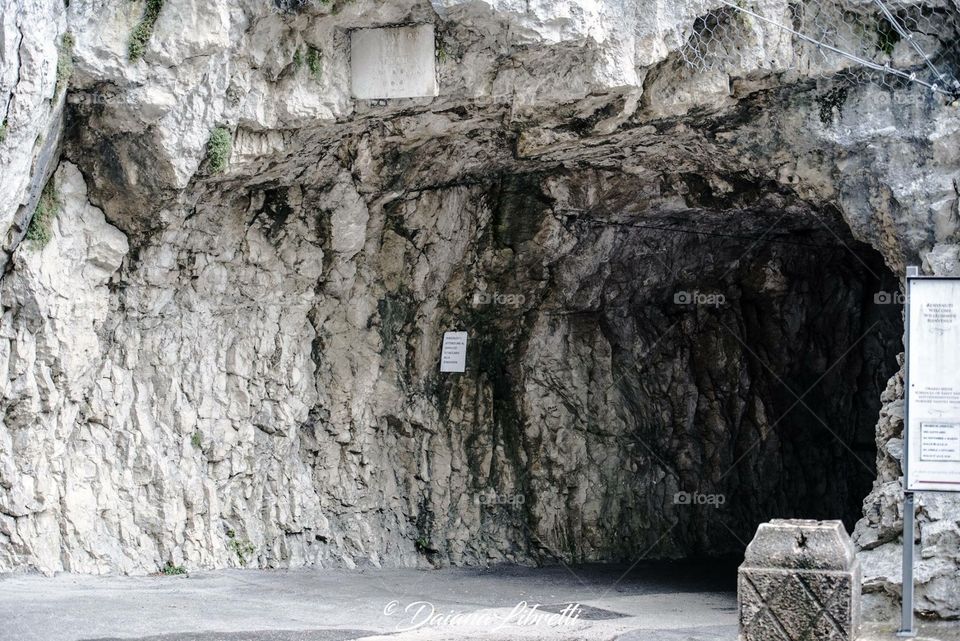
x=453 y=356
x=393 y=62
x=800 y=580
x=933 y=392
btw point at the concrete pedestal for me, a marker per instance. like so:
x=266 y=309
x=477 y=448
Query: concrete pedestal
x=800 y=581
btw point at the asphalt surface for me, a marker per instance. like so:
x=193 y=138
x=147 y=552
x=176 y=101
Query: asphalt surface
x=692 y=601
x=650 y=602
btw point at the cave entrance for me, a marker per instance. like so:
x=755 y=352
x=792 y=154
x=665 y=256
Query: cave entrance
x=721 y=363
x=753 y=359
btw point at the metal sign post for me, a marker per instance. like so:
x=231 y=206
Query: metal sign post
x=909 y=509
x=931 y=420
x=906 y=605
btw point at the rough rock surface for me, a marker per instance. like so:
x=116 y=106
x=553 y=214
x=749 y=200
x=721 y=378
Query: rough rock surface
x=254 y=381
x=879 y=533
x=31 y=109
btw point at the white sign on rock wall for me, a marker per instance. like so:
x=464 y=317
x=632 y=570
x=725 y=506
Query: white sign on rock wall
x=933 y=380
x=393 y=62
x=453 y=355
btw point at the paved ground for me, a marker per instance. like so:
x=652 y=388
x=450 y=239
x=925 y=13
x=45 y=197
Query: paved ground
x=943 y=631
x=653 y=602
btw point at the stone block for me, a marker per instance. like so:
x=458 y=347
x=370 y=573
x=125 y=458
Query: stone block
x=800 y=581
x=393 y=62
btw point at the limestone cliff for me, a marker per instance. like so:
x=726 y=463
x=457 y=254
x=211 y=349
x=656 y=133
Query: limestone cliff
x=226 y=353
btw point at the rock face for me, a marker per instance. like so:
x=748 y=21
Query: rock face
x=669 y=279
x=56 y=302
x=33 y=77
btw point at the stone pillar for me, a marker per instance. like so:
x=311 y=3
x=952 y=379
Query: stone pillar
x=800 y=580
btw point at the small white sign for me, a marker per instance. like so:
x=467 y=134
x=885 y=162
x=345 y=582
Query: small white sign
x=933 y=392
x=940 y=442
x=453 y=357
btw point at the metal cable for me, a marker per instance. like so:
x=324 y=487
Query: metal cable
x=899 y=28
x=911 y=77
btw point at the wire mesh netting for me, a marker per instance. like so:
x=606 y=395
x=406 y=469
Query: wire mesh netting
x=869 y=40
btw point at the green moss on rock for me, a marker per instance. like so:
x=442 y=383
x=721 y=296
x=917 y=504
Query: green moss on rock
x=39 y=231
x=144 y=29
x=65 y=61
x=218 y=149
x=315 y=63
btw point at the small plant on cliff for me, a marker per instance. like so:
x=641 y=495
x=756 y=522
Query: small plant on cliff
x=65 y=61
x=4 y=127
x=442 y=48
x=315 y=63
x=290 y=6
x=297 y=59
x=39 y=232
x=144 y=29
x=243 y=549
x=196 y=440
x=887 y=37
x=742 y=15
x=172 y=570
x=422 y=545
x=830 y=101
x=218 y=149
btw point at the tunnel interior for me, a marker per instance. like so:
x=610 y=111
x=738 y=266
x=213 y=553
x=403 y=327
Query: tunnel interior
x=686 y=364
